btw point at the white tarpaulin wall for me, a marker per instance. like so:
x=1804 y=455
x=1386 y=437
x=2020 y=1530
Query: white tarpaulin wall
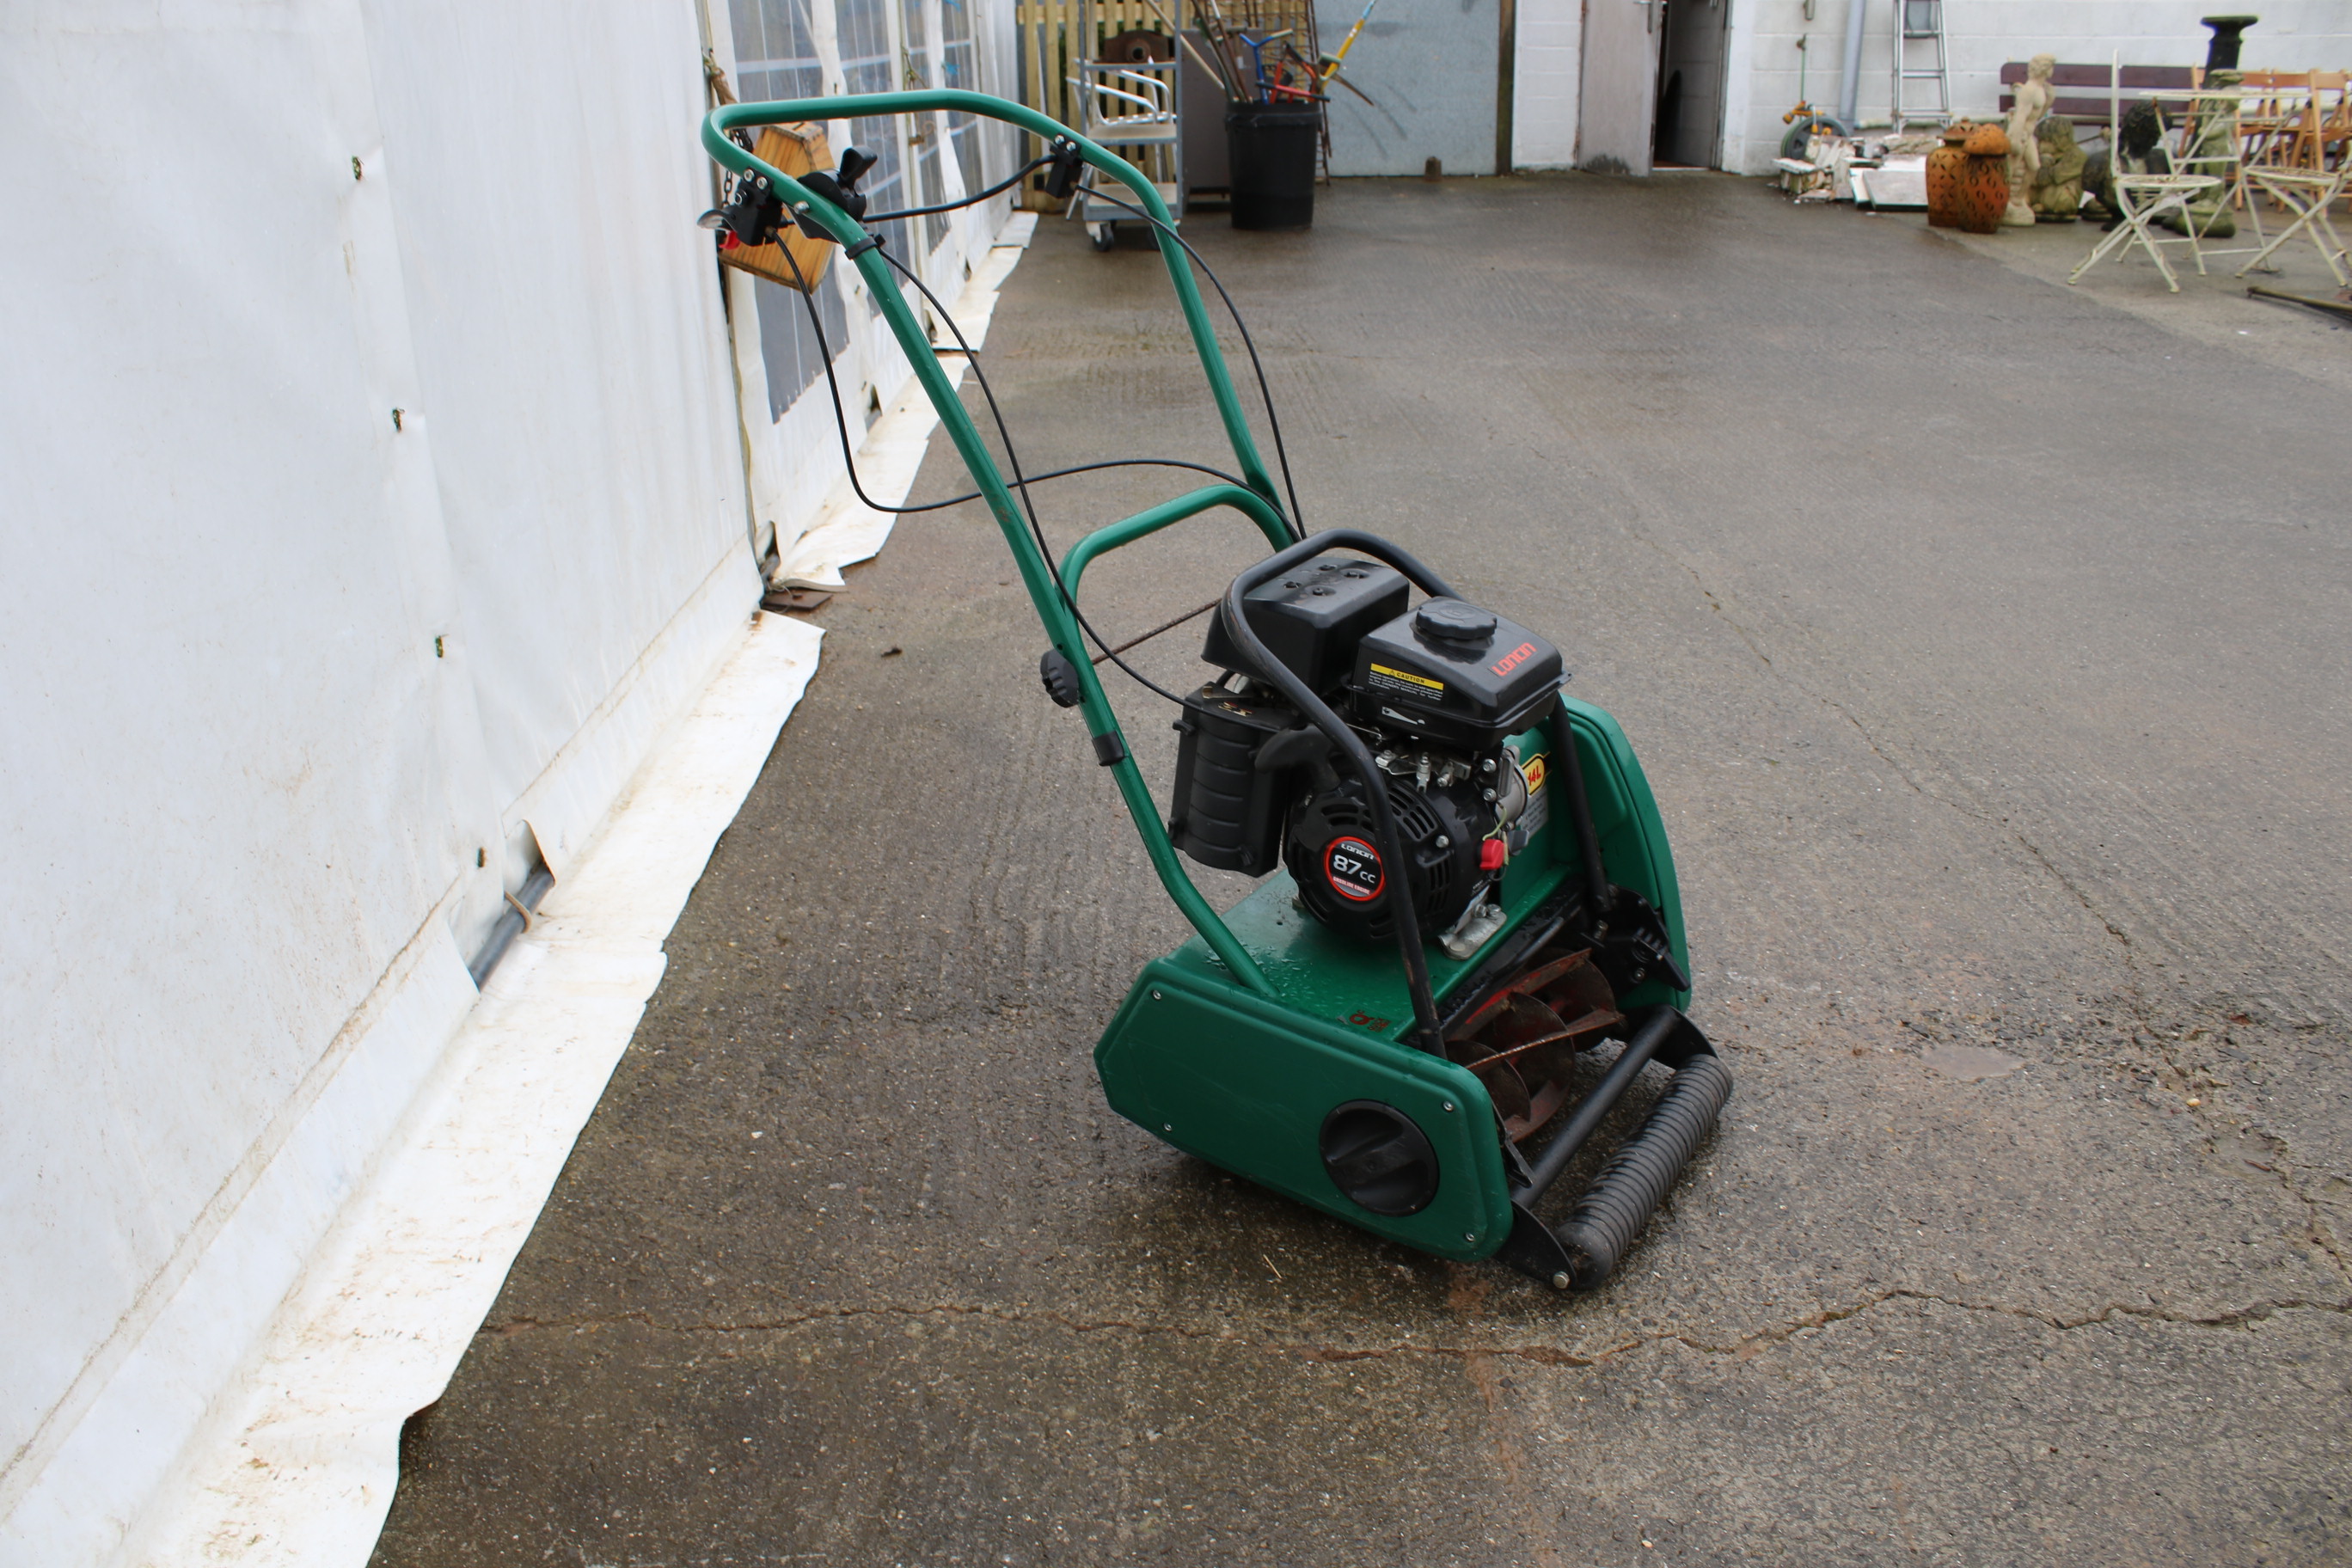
x=290 y=677
x=375 y=502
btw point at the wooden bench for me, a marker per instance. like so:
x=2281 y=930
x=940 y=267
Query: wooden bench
x=2087 y=104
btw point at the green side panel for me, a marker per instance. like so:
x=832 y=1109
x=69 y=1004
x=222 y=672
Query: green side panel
x=1632 y=837
x=1245 y=1084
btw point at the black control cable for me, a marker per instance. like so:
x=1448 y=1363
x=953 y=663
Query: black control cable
x=1020 y=481
x=1296 y=521
x=1272 y=420
x=841 y=423
x=997 y=189
x=1013 y=460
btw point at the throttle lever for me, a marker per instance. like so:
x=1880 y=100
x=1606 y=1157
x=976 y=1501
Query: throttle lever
x=1063 y=177
x=840 y=188
x=751 y=215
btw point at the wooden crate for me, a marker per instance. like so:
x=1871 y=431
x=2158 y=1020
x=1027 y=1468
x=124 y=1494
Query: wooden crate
x=796 y=149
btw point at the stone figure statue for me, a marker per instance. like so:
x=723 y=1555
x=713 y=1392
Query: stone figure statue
x=2141 y=151
x=2212 y=149
x=2057 y=195
x=2033 y=97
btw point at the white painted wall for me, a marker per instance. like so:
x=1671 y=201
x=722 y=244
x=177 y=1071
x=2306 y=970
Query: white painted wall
x=2293 y=34
x=1550 y=62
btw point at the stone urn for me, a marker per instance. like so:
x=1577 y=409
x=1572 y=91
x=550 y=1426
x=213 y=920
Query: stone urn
x=1944 y=165
x=1980 y=186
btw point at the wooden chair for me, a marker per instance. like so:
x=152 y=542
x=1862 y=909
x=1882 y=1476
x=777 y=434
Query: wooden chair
x=2141 y=199
x=2326 y=140
x=2272 y=129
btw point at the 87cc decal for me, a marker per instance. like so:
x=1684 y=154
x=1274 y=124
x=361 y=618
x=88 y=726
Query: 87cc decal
x=1352 y=867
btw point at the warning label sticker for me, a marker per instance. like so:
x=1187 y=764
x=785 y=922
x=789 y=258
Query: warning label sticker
x=1538 y=811
x=1405 y=683
x=1353 y=869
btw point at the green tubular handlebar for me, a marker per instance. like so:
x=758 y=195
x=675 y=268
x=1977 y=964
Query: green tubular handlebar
x=838 y=223
x=1127 y=532
x=1053 y=599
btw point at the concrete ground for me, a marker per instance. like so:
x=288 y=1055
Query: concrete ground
x=1986 y=644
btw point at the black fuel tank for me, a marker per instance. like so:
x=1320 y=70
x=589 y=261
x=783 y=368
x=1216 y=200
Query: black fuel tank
x=1311 y=616
x=1454 y=675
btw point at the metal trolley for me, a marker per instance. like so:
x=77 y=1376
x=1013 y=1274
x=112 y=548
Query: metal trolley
x=1133 y=107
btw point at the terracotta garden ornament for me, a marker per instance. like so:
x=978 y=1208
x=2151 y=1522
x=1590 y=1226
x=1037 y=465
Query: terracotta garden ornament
x=1944 y=167
x=1981 y=192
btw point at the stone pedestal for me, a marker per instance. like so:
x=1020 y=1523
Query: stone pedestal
x=2229 y=33
x=2212 y=150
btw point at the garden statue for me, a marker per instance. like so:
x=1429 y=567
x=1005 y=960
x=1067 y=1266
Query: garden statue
x=2058 y=184
x=2024 y=148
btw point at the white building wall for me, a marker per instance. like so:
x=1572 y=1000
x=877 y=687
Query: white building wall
x=1549 y=64
x=2293 y=34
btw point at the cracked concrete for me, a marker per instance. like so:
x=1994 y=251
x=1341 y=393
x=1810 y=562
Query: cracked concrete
x=1985 y=644
x=1472 y=1348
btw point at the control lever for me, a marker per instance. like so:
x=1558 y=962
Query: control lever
x=751 y=215
x=1062 y=178
x=840 y=188
x=754 y=211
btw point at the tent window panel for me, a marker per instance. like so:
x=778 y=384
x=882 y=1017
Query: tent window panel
x=960 y=68
x=775 y=51
x=869 y=65
x=929 y=180
x=775 y=58
x=788 y=344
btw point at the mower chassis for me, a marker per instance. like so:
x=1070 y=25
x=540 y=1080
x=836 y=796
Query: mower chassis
x=1246 y=1083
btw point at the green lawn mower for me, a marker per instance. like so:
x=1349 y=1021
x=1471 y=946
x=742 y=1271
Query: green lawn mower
x=1466 y=883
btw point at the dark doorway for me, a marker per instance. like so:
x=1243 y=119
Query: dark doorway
x=1689 y=128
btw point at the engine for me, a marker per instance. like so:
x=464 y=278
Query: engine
x=1434 y=692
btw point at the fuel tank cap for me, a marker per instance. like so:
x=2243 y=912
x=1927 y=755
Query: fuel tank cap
x=1451 y=620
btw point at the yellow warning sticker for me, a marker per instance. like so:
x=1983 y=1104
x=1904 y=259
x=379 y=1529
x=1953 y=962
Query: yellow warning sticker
x=1410 y=678
x=1537 y=812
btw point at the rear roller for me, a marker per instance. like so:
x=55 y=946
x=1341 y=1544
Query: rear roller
x=1582 y=1251
x=1637 y=1177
